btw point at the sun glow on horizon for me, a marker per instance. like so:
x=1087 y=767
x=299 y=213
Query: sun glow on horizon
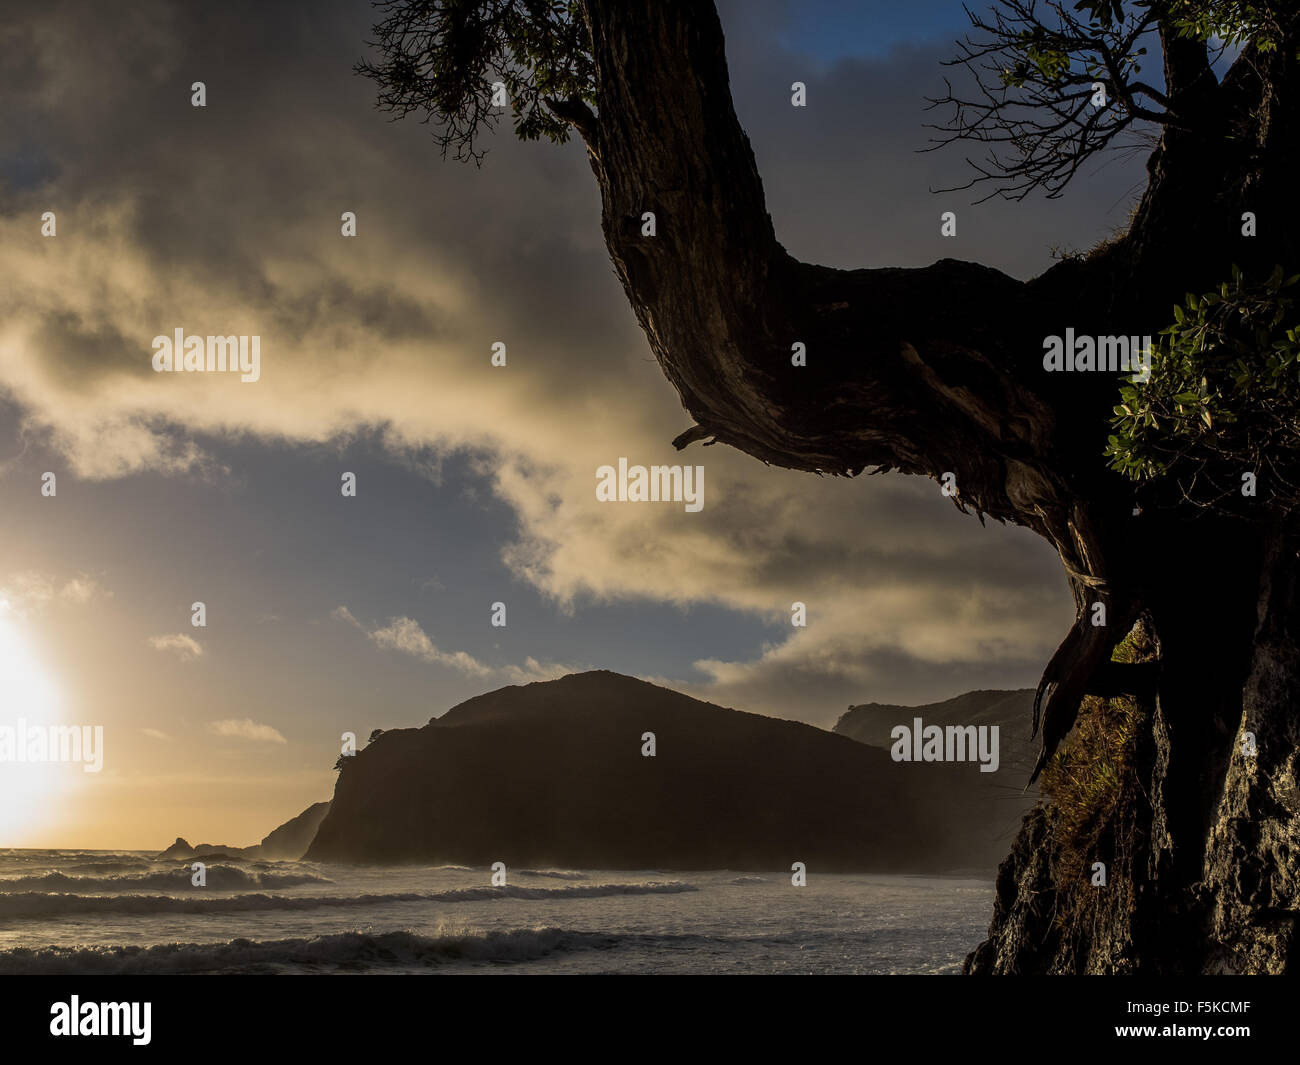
x=30 y=794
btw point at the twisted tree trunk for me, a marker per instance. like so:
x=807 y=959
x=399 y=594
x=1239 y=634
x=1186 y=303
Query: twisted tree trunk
x=938 y=371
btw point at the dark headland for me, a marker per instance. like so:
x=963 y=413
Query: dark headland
x=288 y=842
x=553 y=773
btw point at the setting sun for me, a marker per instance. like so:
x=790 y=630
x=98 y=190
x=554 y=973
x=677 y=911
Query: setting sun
x=28 y=696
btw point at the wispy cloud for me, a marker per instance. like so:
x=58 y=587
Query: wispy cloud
x=81 y=589
x=185 y=647
x=342 y=613
x=533 y=670
x=31 y=591
x=245 y=729
x=405 y=635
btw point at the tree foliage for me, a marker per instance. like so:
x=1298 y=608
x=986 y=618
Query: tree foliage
x=1232 y=21
x=442 y=58
x=1223 y=398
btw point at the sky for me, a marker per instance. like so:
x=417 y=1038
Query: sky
x=328 y=613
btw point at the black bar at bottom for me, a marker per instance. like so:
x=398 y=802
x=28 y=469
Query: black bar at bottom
x=866 y=1016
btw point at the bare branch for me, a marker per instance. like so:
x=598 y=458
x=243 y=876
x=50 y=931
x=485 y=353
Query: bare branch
x=1034 y=67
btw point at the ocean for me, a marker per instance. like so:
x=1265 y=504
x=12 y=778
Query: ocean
x=124 y=912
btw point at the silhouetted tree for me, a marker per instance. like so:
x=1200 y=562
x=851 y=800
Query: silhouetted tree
x=940 y=371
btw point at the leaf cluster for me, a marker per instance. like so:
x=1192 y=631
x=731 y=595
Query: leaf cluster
x=442 y=59
x=1223 y=396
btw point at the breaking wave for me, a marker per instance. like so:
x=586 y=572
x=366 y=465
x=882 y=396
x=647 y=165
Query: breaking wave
x=39 y=904
x=123 y=866
x=556 y=874
x=219 y=877
x=347 y=951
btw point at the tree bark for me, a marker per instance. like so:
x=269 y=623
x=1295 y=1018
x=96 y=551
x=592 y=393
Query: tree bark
x=938 y=371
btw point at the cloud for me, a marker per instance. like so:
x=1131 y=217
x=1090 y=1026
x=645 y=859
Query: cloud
x=186 y=647
x=155 y=734
x=82 y=589
x=31 y=591
x=405 y=635
x=342 y=613
x=245 y=729
x=533 y=670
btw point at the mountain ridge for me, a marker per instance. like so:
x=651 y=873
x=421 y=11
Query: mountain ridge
x=552 y=773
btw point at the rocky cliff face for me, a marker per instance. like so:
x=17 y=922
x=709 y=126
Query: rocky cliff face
x=291 y=840
x=553 y=774
x=182 y=851
x=1011 y=711
x=1081 y=890
x=1185 y=896
x=288 y=842
x=989 y=806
